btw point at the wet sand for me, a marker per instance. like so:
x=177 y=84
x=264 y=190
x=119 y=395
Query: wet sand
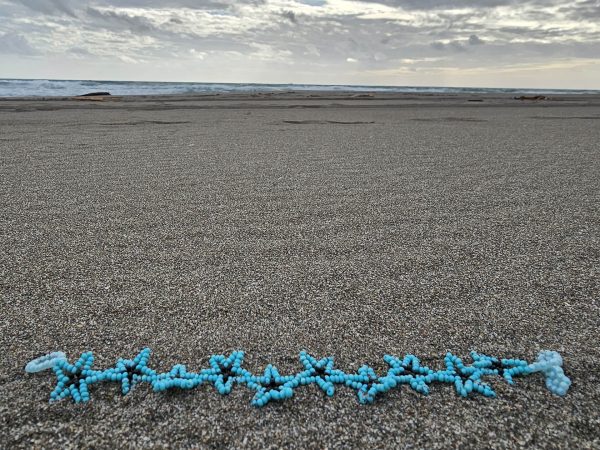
x=345 y=226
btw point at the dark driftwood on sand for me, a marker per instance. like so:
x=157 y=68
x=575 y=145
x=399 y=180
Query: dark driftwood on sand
x=95 y=94
x=531 y=97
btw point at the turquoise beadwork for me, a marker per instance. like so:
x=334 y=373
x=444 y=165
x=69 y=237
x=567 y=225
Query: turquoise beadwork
x=74 y=380
x=44 y=362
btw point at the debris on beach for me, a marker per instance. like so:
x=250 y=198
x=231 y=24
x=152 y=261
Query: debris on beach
x=96 y=96
x=531 y=97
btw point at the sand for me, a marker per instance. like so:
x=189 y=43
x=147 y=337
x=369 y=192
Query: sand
x=345 y=226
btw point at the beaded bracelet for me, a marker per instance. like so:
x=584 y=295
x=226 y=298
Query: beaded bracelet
x=44 y=362
x=224 y=373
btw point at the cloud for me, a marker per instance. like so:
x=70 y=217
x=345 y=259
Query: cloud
x=78 y=51
x=289 y=15
x=289 y=39
x=456 y=46
x=122 y=21
x=51 y=7
x=313 y=2
x=71 y=7
x=444 y=4
x=583 y=10
x=15 y=44
x=475 y=40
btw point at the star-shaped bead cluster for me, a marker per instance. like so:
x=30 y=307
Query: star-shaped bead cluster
x=225 y=372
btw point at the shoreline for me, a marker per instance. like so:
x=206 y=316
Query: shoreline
x=294 y=99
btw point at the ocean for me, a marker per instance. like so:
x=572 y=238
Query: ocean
x=66 y=88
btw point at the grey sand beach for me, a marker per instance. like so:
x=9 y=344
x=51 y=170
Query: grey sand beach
x=347 y=226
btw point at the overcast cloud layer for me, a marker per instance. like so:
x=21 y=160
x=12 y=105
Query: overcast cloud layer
x=496 y=43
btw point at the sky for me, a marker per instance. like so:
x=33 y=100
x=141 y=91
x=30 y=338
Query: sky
x=483 y=43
